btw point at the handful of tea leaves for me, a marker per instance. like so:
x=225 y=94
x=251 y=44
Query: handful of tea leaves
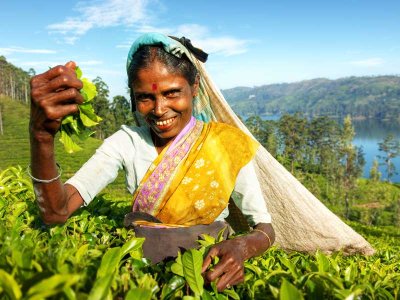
x=77 y=125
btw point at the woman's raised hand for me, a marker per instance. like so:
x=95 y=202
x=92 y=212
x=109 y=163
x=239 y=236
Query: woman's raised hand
x=54 y=95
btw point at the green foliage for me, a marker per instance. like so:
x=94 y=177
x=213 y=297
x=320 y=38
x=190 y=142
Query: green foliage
x=390 y=146
x=77 y=125
x=374 y=173
x=92 y=257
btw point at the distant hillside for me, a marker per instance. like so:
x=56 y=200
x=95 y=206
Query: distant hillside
x=377 y=97
x=14 y=82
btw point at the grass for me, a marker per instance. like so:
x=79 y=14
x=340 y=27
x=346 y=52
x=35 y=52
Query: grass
x=15 y=147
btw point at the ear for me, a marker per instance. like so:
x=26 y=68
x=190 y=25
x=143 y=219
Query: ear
x=196 y=86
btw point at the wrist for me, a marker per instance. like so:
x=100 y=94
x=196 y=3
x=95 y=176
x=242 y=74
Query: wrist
x=41 y=136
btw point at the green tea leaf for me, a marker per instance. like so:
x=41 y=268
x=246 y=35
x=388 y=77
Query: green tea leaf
x=69 y=145
x=81 y=252
x=101 y=287
x=109 y=262
x=139 y=294
x=89 y=89
x=177 y=267
x=231 y=293
x=76 y=125
x=289 y=292
x=174 y=284
x=87 y=121
x=78 y=72
x=52 y=286
x=9 y=285
x=192 y=261
x=323 y=262
x=134 y=244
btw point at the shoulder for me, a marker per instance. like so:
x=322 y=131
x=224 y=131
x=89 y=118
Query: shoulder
x=231 y=138
x=126 y=138
x=126 y=133
x=232 y=133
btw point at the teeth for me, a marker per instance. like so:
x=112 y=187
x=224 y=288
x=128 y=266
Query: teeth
x=165 y=122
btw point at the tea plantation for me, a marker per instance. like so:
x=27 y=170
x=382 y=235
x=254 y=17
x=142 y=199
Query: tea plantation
x=93 y=256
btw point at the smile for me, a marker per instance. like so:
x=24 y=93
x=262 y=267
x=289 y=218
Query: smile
x=164 y=122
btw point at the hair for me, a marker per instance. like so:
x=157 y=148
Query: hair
x=146 y=55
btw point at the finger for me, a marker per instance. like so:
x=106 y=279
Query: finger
x=214 y=251
x=65 y=81
x=45 y=100
x=56 y=113
x=229 y=279
x=71 y=65
x=44 y=78
x=219 y=269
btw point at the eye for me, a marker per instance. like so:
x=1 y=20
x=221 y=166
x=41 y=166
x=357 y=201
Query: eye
x=172 y=93
x=142 y=98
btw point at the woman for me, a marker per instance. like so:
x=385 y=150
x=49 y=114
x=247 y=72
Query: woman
x=181 y=170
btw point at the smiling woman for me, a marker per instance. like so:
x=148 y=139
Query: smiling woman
x=181 y=170
x=182 y=165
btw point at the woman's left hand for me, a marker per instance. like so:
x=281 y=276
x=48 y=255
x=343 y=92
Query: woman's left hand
x=230 y=268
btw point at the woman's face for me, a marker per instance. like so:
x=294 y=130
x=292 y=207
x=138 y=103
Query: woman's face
x=164 y=99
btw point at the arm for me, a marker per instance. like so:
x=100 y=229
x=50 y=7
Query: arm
x=54 y=95
x=232 y=253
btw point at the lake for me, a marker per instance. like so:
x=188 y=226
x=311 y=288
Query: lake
x=369 y=133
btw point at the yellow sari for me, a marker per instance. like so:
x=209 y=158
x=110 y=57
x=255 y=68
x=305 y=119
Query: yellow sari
x=192 y=184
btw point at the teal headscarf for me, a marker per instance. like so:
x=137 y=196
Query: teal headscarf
x=201 y=104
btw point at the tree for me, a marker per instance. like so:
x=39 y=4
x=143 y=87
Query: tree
x=391 y=148
x=292 y=130
x=101 y=107
x=323 y=146
x=121 y=110
x=264 y=132
x=374 y=173
x=257 y=127
x=352 y=161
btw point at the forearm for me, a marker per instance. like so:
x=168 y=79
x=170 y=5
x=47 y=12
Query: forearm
x=51 y=196
x=257 y=241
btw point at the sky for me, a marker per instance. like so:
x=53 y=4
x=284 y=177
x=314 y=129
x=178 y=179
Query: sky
x=250 y=43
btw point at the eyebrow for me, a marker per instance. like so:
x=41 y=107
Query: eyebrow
x=172 y=90
x=139 y=95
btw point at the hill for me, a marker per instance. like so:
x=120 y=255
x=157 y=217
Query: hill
x=369 y=97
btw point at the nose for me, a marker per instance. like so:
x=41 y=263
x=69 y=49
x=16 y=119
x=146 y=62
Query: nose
x=159 y=106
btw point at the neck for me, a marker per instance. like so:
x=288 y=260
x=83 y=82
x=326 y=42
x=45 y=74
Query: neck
x=160 y=143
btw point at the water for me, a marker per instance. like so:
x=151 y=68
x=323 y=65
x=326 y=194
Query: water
x=369 y=133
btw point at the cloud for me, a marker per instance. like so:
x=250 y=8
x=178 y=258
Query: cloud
x=200 y=37
x=11 y=50
x=223 y=45
x=100 y=14
x=370 y=62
